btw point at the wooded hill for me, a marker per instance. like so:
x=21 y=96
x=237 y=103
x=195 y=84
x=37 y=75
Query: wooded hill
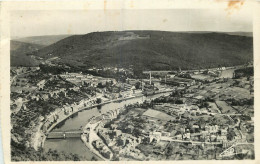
x=151 y=50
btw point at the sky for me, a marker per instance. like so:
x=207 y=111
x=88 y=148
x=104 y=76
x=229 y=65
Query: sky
x=56 y=22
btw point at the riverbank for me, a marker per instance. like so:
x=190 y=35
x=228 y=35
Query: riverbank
x=91 y=148
x=90 y=135
x=75 y=145
x=41 y=137
x=100 y=104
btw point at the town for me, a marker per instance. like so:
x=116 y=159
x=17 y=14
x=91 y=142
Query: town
x=206 y=114
x=125 y=81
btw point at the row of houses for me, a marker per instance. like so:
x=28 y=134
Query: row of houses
x=178 y=81
x=80 y=79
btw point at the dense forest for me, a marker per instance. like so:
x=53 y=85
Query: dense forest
x=154 y=50
x=19 y=152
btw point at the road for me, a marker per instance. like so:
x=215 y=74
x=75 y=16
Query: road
x=188 y=141
x=231 y=151
x=92 y=137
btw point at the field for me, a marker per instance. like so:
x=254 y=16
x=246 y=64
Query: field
x=26 y=89
x=224 y=107
x=158 y=115
x=200 y=77
x=227 y=73
x=237 y=92
x=213 y=107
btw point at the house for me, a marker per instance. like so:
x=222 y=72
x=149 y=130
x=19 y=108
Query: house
x=132 y=81
x=213 y=137
x=195 y=126
x=166 y=134
x=212 y=129
x=16 y=90
x=207 y=139
x=221 y=138
x=33 y=97
x=155 y=136
x=204 y=134
x=186 y=135
x=118 y=132
x=199 y=97
x=24 y=107
x=223 y=132
x=237 y=136
x=45 y=97
x=75 y=88
x=40 y=84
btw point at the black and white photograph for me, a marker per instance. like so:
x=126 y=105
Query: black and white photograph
x=132 y=84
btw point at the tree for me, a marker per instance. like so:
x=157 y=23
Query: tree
x=100 y=85
x=179 y=101
x=94 y=158
x=136 y=132
x=106 y=154
x=137 y=85
x=98 y=100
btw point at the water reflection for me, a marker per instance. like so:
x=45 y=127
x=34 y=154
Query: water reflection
x=79 y=120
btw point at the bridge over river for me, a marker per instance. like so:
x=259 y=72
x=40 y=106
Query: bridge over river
x=74 y=133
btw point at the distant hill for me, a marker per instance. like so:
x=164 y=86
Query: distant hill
x=42 y=40
x=22 y=47
x=155 y=50
x=250 y=34
x=18 y=52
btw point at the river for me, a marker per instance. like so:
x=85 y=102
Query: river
x=75 y=145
